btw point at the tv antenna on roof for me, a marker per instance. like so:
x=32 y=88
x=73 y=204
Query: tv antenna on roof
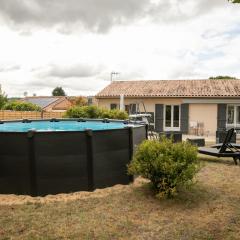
x=114 y=74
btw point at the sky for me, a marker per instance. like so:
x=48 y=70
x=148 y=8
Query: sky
x=76 y=44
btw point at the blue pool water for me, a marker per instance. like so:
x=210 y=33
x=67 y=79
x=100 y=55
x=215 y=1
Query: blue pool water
x=43 y=126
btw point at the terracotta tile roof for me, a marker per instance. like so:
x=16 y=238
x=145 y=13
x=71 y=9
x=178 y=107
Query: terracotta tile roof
x=172 y=88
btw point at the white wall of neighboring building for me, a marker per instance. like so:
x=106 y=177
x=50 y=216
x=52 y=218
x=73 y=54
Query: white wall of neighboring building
x=148 y=102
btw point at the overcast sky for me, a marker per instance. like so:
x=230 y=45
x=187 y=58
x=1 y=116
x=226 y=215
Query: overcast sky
x=76 y=44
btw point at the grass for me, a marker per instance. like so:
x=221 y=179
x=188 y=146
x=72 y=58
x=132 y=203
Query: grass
x=209 y=210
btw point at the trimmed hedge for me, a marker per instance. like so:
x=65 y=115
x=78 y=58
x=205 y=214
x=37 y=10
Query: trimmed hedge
x=95 y=112
x=21 y=106
x=167 y=165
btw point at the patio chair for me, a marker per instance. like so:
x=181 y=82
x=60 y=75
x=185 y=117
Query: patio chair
x=226 y=149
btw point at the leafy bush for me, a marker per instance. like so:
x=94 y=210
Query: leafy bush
x=83 y=112
x=78 y=101
x=95 y=112
x=21 y=106
x=114 y=114
x=3 y=100
x=165 y=164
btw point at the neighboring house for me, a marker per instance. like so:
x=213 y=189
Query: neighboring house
x=91 y=100
x=50 y=104
x=179 y=105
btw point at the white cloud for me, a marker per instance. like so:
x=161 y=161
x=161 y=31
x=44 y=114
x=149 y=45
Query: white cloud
x=99 y=16
x=78 y=70
x=94 y=15
x=191 y=39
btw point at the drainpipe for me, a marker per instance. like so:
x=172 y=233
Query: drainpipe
x=122 y=102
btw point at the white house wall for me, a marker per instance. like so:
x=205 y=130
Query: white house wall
x=198 y=112
x=206 y=114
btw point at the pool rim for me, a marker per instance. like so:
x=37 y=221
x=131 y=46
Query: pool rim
x=127 y=122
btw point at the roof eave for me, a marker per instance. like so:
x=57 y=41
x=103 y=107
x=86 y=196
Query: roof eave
x=144 y=96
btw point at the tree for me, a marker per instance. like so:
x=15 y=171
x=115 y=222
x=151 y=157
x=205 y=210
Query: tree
x=58 y=91
x=3 y=98
x=234 y=1
x=78 y=101
x=222 y=77
x=21 y=106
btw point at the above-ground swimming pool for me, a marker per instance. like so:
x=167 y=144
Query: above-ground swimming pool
x=56 y=125
x=43 y=157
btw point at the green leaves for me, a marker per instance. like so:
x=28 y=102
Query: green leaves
x=234 y=1
x=58 y=91
x=3 y=100
x=223 y=77
x=95 y=112
x=165 y=164
x=21 y=106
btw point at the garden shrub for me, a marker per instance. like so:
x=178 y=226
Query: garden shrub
x=113 y=114
x=76 y=112
x=167 y=165
x=91 y=111
x=83 y=112
x=3 y=99
x=95 y=112
x=21 y=106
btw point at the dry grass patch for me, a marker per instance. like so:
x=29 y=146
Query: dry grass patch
x=210 y=210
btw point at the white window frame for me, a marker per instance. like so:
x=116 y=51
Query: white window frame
x=234 y=124
x=172 y=118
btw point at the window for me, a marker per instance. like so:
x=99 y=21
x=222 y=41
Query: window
x=113 y=106
x=230 y=115
x=172 y=117
x=90 y=101
x=127 y=108
x=238 y=114
x=175 y=116
x=233 y=115
x=131 y=108
x=168 y=116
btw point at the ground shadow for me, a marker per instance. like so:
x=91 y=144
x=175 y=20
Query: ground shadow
x=191 y=197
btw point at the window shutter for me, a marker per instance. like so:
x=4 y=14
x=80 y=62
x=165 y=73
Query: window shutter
x=159 y=117
x=184 y=123
x=221 y=117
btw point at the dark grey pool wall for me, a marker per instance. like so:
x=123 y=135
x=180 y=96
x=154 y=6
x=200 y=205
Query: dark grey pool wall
x=41 y=163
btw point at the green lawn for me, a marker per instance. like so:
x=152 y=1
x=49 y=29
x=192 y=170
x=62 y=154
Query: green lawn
x=210 y=210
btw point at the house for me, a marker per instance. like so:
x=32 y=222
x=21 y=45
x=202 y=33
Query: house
x=50 y=104
x=91 y=100
x=179 y=105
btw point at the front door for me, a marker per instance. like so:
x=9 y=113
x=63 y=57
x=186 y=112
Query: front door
x=172 y=118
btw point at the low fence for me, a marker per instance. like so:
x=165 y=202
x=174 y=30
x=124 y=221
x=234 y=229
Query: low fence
x=41 y=163
x=12 y=115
